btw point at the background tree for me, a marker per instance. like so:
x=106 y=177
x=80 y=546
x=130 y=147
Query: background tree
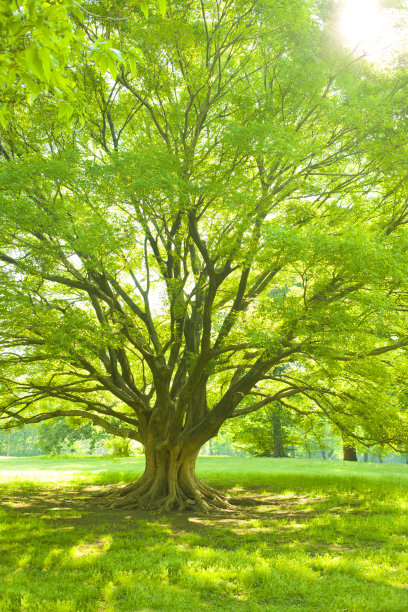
x=19 y=441
x=349 y=452
x=265 y=433
x=222 y=211
x=300 y=434
x=59 y=435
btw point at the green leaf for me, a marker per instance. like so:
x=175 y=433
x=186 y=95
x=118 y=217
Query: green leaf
x=132 y=66
x=117 y=54
x=4 y=121
x=102 y=63
x=17 y=28
x=11 y=76
x=113 y=69
x=145 y=9
x=32 y=98
x=162 y=7
x=137 y=54
x=65 y=111
x=34 y=62
x=45 y=59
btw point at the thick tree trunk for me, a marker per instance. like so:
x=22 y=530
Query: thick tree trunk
x=349 y=453
x=168 y=483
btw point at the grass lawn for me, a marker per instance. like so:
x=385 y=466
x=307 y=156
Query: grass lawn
x=320 y=536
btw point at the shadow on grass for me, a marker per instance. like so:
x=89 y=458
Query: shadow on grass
x=62 y=552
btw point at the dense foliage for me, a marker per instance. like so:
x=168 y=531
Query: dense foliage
x=224 y=228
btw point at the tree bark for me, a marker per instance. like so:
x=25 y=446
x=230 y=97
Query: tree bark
x=169 y=483
x=278 y=450
x=349 y=453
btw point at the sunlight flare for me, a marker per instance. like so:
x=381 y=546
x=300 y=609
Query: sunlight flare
x=374 y=30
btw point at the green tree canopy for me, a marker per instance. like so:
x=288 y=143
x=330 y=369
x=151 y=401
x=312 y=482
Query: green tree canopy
x=226 y=229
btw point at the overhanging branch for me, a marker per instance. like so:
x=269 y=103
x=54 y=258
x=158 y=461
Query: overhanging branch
x=123 y=432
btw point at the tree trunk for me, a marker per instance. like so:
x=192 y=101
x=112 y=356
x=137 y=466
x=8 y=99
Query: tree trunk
x=24 y=443
x=8 y=444
x=277 y=434
x=169 y=483
x=349 y=453
x=365 y=457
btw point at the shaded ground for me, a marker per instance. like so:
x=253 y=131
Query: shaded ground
x=301 y=540
x=84 y=507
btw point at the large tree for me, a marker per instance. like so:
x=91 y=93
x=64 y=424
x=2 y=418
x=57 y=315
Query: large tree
x=224 y=231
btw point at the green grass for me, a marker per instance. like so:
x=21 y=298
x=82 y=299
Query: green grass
x=324 y=536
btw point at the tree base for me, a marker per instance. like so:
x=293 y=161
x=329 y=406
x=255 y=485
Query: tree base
x=200 y=498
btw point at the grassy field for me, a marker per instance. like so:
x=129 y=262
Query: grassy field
x=321 y=536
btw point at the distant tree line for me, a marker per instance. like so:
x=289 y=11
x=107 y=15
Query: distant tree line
x=274 y=432
x=61 y=437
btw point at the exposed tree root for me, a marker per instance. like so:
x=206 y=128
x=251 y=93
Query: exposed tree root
x=148 y=495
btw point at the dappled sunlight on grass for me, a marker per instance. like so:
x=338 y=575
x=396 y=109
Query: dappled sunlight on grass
x=88 y=550
x=296 y=548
